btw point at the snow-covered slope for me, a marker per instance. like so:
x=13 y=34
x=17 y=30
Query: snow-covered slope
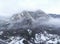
x=39 y=38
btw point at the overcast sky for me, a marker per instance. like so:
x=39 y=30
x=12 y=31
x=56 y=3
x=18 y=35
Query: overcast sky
x=9 y=7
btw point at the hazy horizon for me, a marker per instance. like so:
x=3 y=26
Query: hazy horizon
x=9 y=7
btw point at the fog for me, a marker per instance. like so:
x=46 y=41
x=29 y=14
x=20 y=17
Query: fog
x=10 y=7
x=53 y=22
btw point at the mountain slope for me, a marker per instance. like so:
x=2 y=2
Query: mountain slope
x=27 y=19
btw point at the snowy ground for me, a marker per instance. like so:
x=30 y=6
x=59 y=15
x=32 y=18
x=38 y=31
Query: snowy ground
x=40 y=38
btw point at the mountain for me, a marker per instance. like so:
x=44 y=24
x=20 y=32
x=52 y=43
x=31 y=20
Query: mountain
x=31 y=27
x=27 y=19
x=30 y=19
x=55 y=15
